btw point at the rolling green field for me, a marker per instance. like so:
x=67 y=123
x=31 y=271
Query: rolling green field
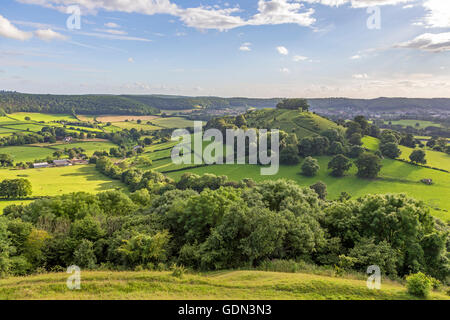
x=89 y=146
x=27 y=153
x=173 y=122
x=422 y=123
x=434 y=158
x=46 y=117
x=132 y=125
x=395 y=177
x=31 y=153
x=224 y=285
x=62 y=180
x=301 y=123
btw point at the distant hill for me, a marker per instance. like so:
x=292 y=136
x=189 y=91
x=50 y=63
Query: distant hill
x=302 y=123
x=151 y=104
x=381 y=104
x=80 y=104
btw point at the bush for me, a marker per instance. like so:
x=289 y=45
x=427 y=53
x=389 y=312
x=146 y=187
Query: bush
x=310 y=167
x=418 y=285
x=178 y=271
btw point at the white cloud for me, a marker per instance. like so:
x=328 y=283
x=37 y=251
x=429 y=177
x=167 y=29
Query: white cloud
x=281 y=12
x=202 y=17
x=360 y=76
x=8 y=30
x=299 y=58
x=245 y=46
x=359 y=3
x=206 y=18
x=130 y=60
x=112 y=25
x=112 y=31
x=149 y=7
x=285 y=70
x=433 y=42
x=355 y=57
x=49 y=35
x=282 y=50
x=438 y=13
x=113 y=36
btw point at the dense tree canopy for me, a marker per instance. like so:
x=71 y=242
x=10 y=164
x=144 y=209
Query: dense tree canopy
x=219 y=226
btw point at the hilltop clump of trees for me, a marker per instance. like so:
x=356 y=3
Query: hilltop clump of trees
x=294 y=104
x=210 y=223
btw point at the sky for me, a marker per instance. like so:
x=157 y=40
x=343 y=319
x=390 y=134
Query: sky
x=251 y=48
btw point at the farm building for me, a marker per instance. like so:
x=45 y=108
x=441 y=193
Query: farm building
x=41 y=165
x=78 y=161
x=62 y=163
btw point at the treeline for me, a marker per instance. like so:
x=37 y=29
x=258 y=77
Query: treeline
x=73 y=104
x=204 y=224
x=165 y=102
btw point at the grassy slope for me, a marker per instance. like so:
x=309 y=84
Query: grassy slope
x=395 y=177
x=31 y=153
x=57 y=181
x=27 y=153
x=434 y=158
x=228 y=285
x=302 y=123
x=42 y=116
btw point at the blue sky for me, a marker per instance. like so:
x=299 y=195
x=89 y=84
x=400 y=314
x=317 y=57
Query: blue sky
x=255 y=48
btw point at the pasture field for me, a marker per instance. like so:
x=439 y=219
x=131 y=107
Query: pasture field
x=89 y=146
x=27 y=153
x=422 y=123
x=173 y=122
x=133 y=125
x=46 y=117
x=395 y=177
x=434 y=159
x=24 y=127
x=223 y=285
x=61 y=180
x=6 y=120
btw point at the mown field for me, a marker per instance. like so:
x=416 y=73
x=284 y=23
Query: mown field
x=224 y=285
x=62 y=180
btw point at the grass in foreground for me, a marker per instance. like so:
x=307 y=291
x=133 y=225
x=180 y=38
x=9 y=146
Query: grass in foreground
x=227 y=285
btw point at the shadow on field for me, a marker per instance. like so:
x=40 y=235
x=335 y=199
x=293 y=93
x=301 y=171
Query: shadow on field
x=89 y=173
